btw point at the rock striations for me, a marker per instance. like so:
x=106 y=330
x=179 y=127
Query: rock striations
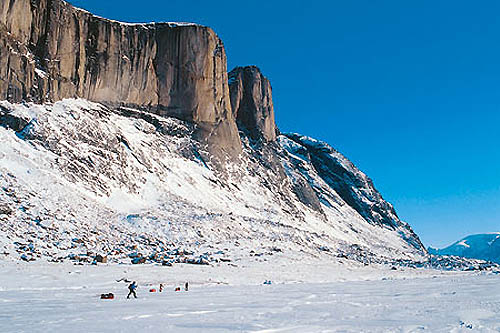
x=50 y=50
x=252 y=102
x=164 y=149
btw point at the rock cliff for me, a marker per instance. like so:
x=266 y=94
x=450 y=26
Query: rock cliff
x=252 y=102
x=50 y=50
x=132 y=154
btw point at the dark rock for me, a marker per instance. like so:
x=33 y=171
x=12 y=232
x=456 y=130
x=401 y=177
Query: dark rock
x=101 y=259
x=5 y=209
x=252 y=102
x=27 y=257
x=14 y=122
x=138 y=260
x=306 y=194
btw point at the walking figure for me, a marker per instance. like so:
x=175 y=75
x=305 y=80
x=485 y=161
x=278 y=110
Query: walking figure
x=132 y=287
x=186 y=286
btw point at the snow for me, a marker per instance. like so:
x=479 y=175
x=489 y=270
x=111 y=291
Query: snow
x=79 y=170
x=41 y=73
x=463 y=243
x=481 y=246
x=143 y=25
x=83 y=180
x=65 y=298
x=320 y=145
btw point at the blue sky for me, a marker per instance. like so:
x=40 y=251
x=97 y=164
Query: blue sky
x=408 y=90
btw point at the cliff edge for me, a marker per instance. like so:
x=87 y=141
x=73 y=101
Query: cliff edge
x=50 y=50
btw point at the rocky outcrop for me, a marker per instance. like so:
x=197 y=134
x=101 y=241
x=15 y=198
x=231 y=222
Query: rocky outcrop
x=321 y=164
x=353 y=186
x=50 y=50
x=252 y=102
x=15 y=122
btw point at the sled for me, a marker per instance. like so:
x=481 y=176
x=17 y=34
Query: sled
x=107 y=296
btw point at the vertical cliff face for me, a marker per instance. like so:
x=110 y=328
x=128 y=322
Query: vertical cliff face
x=50 y=50
x=252 y=102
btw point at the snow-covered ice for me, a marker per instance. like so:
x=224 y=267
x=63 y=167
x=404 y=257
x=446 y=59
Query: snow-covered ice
x=40 y=297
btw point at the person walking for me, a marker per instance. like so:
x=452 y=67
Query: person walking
x=132 y=287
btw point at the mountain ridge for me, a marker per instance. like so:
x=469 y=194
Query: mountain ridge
x=201 y=171
x=477 y=246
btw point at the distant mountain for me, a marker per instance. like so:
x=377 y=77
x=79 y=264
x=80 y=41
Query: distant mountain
x=482 y=246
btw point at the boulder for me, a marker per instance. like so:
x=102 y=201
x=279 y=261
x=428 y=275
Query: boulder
x=101 y=259
x=5 y=209
x=138 y=260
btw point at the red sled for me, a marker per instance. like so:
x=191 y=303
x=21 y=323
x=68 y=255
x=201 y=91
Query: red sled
x=107 y=296
x=152 y=290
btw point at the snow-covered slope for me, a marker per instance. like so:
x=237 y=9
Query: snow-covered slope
x=77 y=178
x=481 y=246
x=330 y=174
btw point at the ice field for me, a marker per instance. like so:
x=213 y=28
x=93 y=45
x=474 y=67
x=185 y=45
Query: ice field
x=65 y=298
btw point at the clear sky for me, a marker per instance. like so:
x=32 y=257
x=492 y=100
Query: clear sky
x=408 y=90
